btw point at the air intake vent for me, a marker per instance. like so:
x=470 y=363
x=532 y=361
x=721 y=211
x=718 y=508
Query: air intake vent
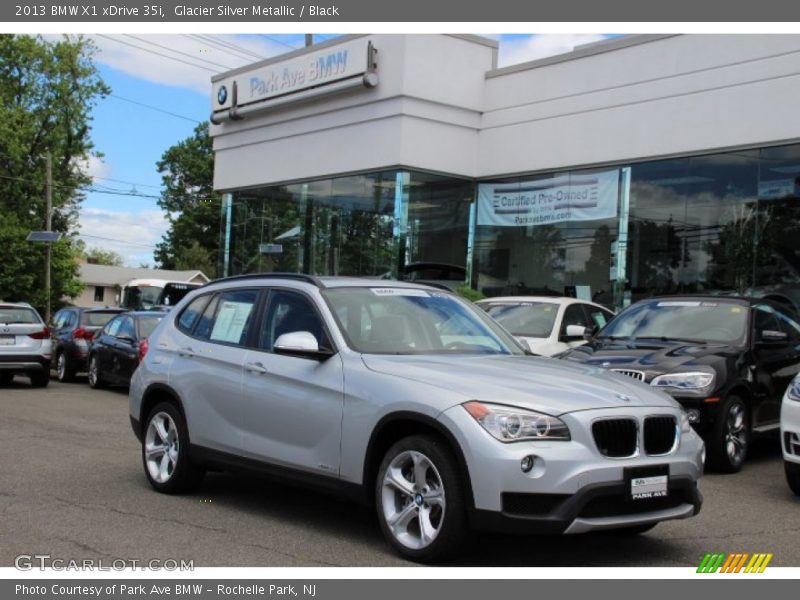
x=615 y=438
x=660 y=434
x=638 y=375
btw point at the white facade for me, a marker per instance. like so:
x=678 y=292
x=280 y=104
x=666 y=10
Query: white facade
x=441 y=105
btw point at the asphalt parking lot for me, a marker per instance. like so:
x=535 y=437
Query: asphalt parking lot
x=72 y=487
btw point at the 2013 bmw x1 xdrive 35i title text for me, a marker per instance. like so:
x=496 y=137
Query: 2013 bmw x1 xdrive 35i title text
x=410 y=398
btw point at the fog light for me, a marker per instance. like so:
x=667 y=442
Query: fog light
x=526 y=464
x=693 y=415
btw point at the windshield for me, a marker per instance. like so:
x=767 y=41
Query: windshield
x=15 y=314
x=142 y=298
x=414 y=321
x=682 y=320
x=174 y=293
x=526 y=319
x=147 y=325
x=97 y=319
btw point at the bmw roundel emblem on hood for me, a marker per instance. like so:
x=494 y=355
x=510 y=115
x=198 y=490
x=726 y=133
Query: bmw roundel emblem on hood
x=222 y=94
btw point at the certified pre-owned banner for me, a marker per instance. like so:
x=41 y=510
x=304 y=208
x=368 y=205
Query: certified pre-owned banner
x=585 y=197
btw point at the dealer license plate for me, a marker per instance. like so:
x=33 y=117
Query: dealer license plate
x=6 y=340
x=647 y=483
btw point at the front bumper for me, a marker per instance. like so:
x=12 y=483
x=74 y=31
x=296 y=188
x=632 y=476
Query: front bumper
x=572 y=487
x=593 y=508
x=24 y=363
x=790 y=430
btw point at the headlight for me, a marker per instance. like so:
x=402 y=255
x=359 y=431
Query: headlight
x=510 y=424
x=793 y=391
x=684 y=381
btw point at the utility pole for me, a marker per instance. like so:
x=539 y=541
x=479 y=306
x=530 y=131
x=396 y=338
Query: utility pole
x=48 y=227
x=309 y=39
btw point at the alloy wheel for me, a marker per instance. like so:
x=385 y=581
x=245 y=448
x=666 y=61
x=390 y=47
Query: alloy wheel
x=61 y=366
x=413 y=500
x=736 y=434
x=161 y=445
x=93 y=375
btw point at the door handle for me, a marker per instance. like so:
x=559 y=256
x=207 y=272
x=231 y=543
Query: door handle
x=186 y=351
x=256 y=367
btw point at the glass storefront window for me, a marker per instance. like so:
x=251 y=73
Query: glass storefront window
x=373 y=225
x=716 y=223
x=550 y=235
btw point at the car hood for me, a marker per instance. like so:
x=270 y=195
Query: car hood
x=650 y=357
x=547 y=385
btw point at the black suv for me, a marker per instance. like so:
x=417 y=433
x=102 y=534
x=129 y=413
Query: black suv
x=727 y=360
x=72 y=329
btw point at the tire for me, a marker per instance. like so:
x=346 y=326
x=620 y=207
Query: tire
x=64 y=370
x=730 y=437
x=792 y=476
x=6 y=378
x=96 y=381
x=165 y=452
x=40 y=380
x=430 y=522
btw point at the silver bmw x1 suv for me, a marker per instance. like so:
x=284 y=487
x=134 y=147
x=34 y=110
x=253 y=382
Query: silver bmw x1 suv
x=412 y=400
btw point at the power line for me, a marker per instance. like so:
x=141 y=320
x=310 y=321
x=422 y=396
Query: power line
x=97 y=237
x=180 y=60
x=276 y=40
x=210 y=62
x=151 y=107
x=229 y=47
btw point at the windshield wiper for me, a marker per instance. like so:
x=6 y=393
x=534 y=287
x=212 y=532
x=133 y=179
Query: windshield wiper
x=664 y=338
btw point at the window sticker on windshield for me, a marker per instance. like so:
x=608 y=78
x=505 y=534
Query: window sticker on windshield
x=736 y=309
x=678 y=303
x=399 y=292
x=548 y=309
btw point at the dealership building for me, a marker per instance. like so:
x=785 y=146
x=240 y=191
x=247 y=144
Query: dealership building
x=639 y=165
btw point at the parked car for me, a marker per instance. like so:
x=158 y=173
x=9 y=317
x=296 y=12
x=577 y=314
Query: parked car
x=548 y=325
x=25 y=347
x=411 y=399
x=790 y=434
x=118 y=348
x=727 y=360
x=72 y=330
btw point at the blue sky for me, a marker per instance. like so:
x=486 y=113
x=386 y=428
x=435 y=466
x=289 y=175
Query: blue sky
x=171 y=74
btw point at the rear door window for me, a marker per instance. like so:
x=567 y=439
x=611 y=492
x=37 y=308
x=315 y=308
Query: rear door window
x=232 y=317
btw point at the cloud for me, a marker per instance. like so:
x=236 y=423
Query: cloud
x=163 y=59
x=95 y=167
x=518 y=50
x=132 y=235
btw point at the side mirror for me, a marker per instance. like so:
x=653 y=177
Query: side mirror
x=302 y=344
x=768 y=336
x=577 y=332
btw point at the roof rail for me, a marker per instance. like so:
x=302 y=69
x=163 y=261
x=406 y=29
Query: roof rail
x=296 y=276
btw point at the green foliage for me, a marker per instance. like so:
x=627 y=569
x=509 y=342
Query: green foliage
x=47 y=93
x=99 y=256
x=469 y=293
x=192 y=205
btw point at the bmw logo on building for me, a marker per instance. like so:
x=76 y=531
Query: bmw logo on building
x=222 y=94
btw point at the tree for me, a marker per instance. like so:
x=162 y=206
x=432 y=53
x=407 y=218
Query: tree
x=192 y=206
x=98 y=256
x=48 y=90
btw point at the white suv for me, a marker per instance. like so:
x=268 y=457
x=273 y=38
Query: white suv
x=411 y=399
x=25 y=346
x=790 y=434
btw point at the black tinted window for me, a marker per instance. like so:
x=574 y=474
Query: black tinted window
x=573 y=315
x=97 y=319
